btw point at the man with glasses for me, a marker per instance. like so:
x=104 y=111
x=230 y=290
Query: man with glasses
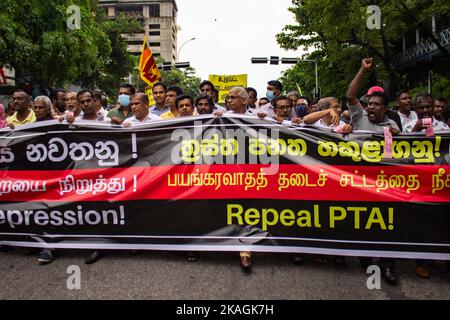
x=283 y=110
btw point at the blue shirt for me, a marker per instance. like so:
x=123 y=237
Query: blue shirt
x=155 y=110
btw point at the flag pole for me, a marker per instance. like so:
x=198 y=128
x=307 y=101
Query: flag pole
x=138 y=79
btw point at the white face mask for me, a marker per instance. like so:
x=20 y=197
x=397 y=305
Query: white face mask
x=124 y=100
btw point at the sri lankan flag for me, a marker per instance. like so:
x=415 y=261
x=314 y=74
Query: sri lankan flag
x=148 y=70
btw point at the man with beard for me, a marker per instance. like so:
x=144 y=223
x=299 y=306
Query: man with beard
x=87 y=103
x=424 y=107
x=375 y=119
x=72 y=103
x=283 y=106
x=204 y=105
x=58 y=99
x=439 y=106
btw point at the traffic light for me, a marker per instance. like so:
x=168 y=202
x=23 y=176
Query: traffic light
x=165 y=66
x=289 y=60
x=168 y=66
x=259 y=60
x=274 y=60
x=180 y=65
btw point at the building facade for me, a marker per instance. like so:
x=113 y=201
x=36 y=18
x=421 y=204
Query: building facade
x=159 y=21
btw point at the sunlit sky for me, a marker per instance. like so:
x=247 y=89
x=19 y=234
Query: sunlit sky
x=228 y=33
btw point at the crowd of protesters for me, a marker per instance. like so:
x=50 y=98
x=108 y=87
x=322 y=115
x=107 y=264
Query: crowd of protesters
x=369 y=113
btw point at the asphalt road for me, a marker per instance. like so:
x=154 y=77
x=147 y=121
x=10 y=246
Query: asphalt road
x=168 y=275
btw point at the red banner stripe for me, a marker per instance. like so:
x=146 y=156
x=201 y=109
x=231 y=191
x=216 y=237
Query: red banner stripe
x=187 y=182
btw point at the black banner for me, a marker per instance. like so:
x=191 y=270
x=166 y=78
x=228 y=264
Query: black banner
x=227 y=184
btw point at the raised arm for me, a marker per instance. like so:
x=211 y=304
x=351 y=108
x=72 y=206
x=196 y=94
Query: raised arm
x=352 y=92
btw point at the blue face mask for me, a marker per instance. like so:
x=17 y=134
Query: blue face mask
x=301 y=110
x=124 y=100
x=270 y=95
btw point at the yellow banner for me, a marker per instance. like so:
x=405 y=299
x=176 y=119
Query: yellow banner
x=224 y=83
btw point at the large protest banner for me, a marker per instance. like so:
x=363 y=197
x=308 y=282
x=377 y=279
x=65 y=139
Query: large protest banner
x=225 y=184
x=224 y=83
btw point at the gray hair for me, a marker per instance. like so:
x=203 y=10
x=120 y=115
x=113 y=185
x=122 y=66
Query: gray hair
x=46 y=101
x=294 y=93
x=241 y=92
x=325 y=103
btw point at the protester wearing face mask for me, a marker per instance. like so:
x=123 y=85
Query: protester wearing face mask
x=123 y=111
x=274 y=89
x=302 y=106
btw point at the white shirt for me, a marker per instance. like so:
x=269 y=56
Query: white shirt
x=437 y=126
x=247 y=113
x=218 y=107
x=104 y=113
x=407 y=121
x=322 y=124
x=150 y=118
x=100 y=117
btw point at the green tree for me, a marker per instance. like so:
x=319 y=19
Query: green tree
x=185 y=79
x=337 y=30
x=35 y=40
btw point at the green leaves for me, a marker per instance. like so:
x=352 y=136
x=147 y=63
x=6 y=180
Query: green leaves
x=338 y=32
x=35 y=40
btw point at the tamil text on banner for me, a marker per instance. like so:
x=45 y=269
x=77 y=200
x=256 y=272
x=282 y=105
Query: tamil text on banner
x=224 y=83
x=225 y=184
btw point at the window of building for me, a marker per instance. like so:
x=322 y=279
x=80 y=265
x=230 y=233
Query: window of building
x=154 y=33
x=154 y=26
x=154 y=10
x=132 y=10
x=155 y=44
x=134 y=42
